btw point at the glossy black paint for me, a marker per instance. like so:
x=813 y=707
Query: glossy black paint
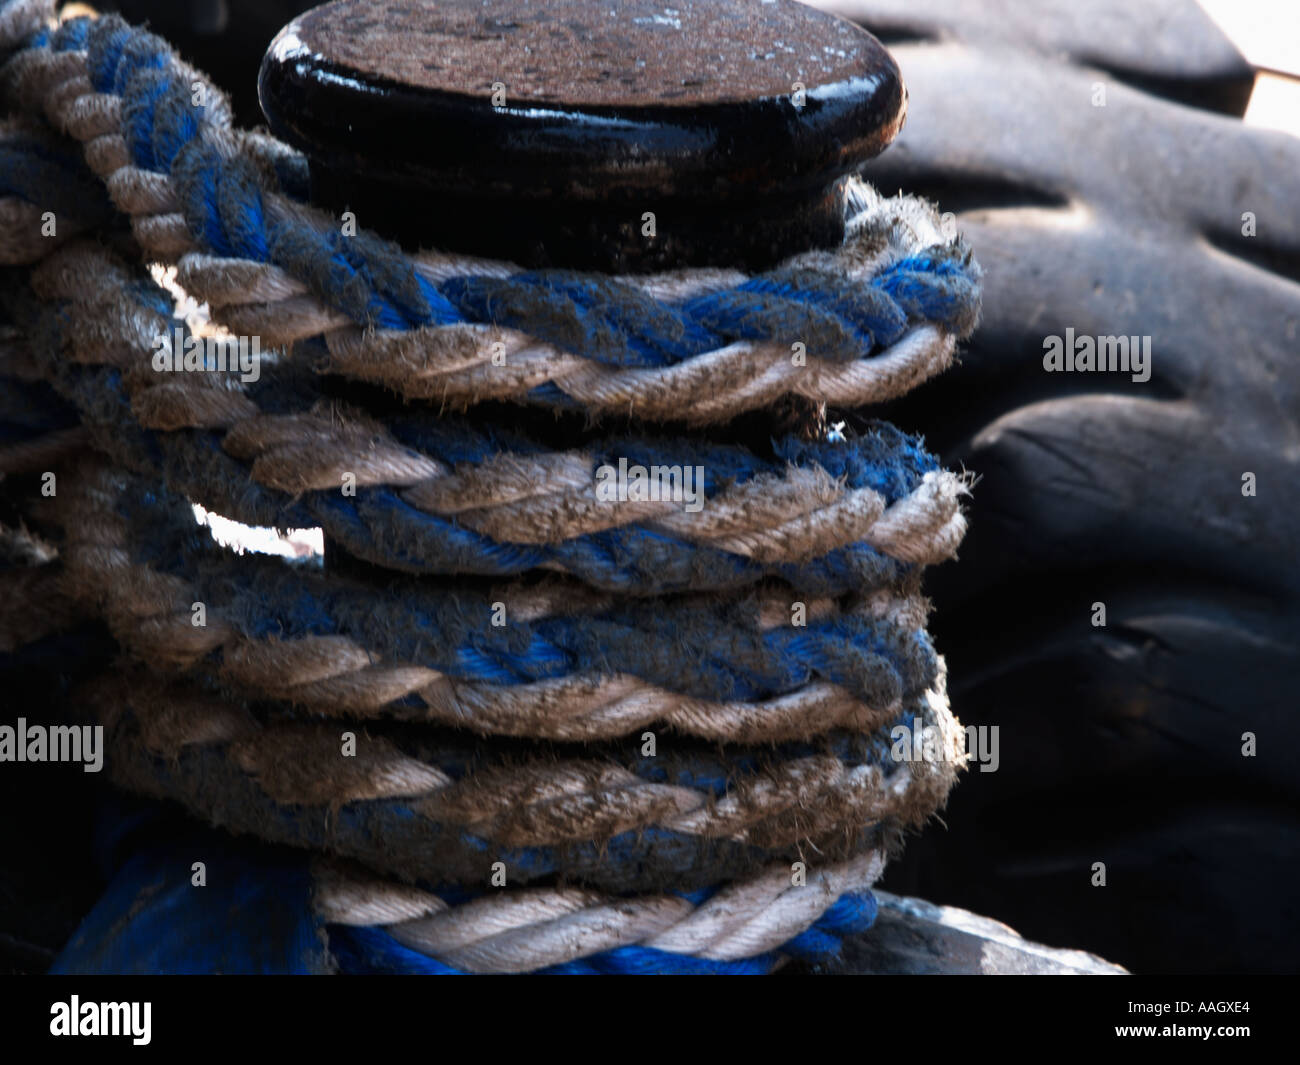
x=740 y=183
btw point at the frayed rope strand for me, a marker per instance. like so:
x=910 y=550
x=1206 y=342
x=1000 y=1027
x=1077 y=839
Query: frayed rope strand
x=355 y=645
x=873 y=321
x=441 y=808
x=446 y=495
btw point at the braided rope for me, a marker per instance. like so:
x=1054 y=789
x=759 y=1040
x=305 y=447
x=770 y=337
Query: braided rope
x=451 y=813
x=567 y=664
x=277 y=911
x=22 y=20
x=516 y=799
x=378 y=926
x=496 y=502
x=876 y=317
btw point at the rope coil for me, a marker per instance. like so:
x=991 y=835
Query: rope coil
x=46 y=194
x=326 y=916
x=563 y=663
x=451 y=497
x=875 y=318
x=477 y=700
x=439 y=809
x=378 y=926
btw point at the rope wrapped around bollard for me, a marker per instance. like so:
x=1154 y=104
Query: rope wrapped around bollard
x=453 y=495
x=666 y=721
x=876 y=318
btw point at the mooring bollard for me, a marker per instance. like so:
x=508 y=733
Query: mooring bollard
x=584 y=134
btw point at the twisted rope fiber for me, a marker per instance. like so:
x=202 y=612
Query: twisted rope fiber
x=485 y=499
x=694 y=345
x=627 y=959
x=747 y=928
x=436 y=808
x=40 y=172
x=529 y=795
x=568 y=663
x=267 y=911
x=22 y=21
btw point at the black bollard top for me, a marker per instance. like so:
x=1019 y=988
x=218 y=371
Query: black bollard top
x=614 y=135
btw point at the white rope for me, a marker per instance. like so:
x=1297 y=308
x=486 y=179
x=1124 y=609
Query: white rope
x=521 y=931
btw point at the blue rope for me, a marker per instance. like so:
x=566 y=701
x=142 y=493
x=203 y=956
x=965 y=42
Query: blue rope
x=151 y=919
x=406 y=837
x=378 y=525
x=374 y=282
x=255 y=916
x=371 y=950
x=451 y=629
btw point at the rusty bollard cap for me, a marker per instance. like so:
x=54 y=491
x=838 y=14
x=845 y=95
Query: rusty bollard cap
x=546 y=132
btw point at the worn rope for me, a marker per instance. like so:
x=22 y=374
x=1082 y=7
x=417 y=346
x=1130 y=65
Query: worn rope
x=446 y=495
x=875 y=318
x=748 y=927
x=561 y=662
x=439 y=808
x=274 y=910
x=21 y=20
